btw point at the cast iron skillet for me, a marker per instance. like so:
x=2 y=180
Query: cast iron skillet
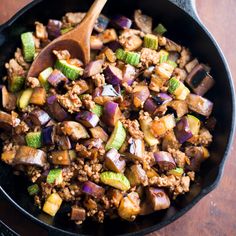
x=184 y=28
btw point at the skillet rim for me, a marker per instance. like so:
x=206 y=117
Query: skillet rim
x=52 y=229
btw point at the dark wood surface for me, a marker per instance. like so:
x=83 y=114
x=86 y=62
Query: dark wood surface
x=213 y=215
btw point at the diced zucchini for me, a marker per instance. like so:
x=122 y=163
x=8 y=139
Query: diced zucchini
x=131 y=58
x=67 y=29
x=194 y=124
x=178 y=89
x=98 y=109
x=33 y=189
x=120 y=54
x=177 y=172
x=24 y=99
x=163 y=56
x=160 y=29
x=150 y=41
x=148 y=136
x=55 y=176
x=70 y=71
x=16 y=83
x=172 y=63
x=28 y=46
x=34 y=139
x=116 y=180
x=43 y=77
x=52 y=204
x=117 y=137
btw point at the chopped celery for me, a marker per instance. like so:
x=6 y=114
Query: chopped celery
x=160 y=29
x=55 y=176
x=163 y=56
x=28 y=46
x=120 y=54
x=117 y=137
x=116 y=180
x=24 y=99
x=34 y=139
x=33 y=189
x=43 y=77
x=52 y=204
x=177 y=172
x=16 y=83
x=194 y=124
x=150 y=41
x=70 y=71
x=67 y=29
x=173 y=85
x=98 y=109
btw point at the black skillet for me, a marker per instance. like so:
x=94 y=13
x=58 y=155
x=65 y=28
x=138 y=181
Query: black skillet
x=184 y=27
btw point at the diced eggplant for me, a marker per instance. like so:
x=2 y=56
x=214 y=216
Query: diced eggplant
x=180 y=107
x=164 y=160
x=54 y=28
x=38 y=96
x=8 y=99
x=121 y=22
x=129 y=74
x=114 y=45
x=199 y=104
x=143 y=22
x=170 y=141
x=6 y=122
x=101 y=23
x=60 y=158
x=93 y=68
x=74 y=130
x=57 y=112
x=113 y=75
x=137 y=149
x=115 y=195
x=98 y=132
x=39 y=117
x=95 y=43
x=81 y=86
x=136 y=175
x=162 y=98
x=93 y=143
x=77 y=213
x=47 y=135
x=63 y=142
x=189 y=67
x=30 y=156
x=113 y=161
x=158 y=199
x=108 y=90
x=110 y=55
x=182 y=130
x=57 y=79
x=140 y=95
x=87 y=118
x=111 y=113
x=93 y=189
x=129 y=207
x=150 y=106
x=108 y=35
x=199 y=80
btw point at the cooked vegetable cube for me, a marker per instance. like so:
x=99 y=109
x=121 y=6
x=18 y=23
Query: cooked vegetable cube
x=194 y=124
x=178 y=89
x=150 y=41
x=160 y=29
x=28 y=45
x=137 y=175
x=77 y=213
x=93 y=189
x=33 y=189
x=60 y=157
x=38 y=96
x=98 y=110
x=43 y=77
x=98 y=132
x=52 y=204
x=24 y=98
x=34 y=139
x=16 y=83
x=55 y=176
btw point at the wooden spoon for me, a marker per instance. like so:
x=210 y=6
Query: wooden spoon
x=76 y=41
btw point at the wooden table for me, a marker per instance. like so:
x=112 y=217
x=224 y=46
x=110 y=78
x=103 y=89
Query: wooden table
x=213 y=215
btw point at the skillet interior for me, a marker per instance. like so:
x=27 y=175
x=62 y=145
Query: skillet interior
x=182 y=29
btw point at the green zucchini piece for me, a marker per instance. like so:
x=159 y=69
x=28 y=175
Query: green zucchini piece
x=33 y=189
x=172 y=63
x=120 y=54
x=28 y=46
x=116 y=180
x=34 y=139
x=150 y=41
x=173 y=85
x=67 y=29
x=117 y=137
x=16 y=83
x=163 y=56
x=132 y=58
x=24 y=99
x=98 y=109
x=160 y=29
x=177 y=172
x=43 y=77
x=70 y=71
x=55 y=176
x=194 y=124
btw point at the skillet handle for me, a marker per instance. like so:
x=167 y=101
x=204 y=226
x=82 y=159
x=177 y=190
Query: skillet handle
x=188 y=6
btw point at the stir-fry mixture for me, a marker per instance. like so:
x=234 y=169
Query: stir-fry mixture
x=121 y=136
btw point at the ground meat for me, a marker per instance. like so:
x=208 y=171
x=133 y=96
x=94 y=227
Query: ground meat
x=172 y=46
x=180 y=74
x=32 y=82
x=74 y=18
x=99 y=79
x=191 y=175
x=20 y=59
x=13 y=68
x=37 y=44
x=33 y=173
x=22 y=128
x=149 y=57
x=82 y=150
x=41 y=32
x=70 y=101
x=133 y=128
x=46 y=190
x=62 y=54
x=66 y=195
x=87 y=101
x=204 y=138
x=179 y=157
x=185 y=57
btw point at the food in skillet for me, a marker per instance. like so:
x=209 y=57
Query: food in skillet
x=121 y=136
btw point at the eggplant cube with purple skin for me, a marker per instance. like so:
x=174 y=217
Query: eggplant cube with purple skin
x=114 y=162
x=137 y=175
x=140 y=95
x=111 y=113
x=93 y=189
x=87 y=118
x=113 y=75
x=164 y=160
